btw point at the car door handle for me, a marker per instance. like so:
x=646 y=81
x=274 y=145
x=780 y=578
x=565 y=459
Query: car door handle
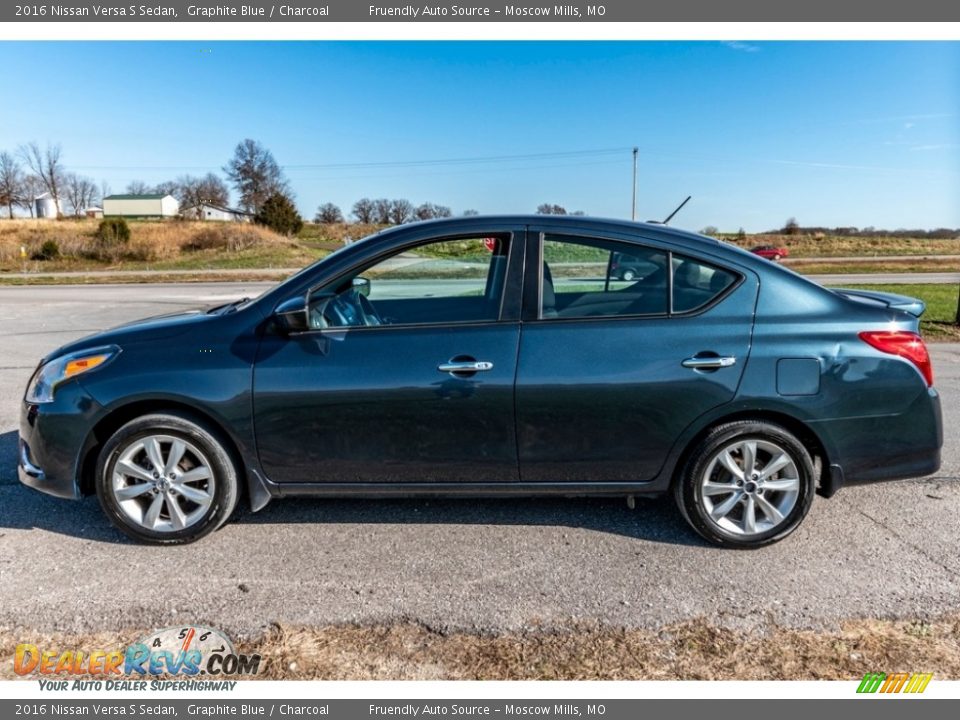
x=709 y=363
x=465 y=366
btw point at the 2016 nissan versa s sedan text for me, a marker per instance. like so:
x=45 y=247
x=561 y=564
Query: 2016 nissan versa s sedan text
x=496 y=356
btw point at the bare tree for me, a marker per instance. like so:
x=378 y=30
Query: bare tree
x=429 y=211
x=32 y=186
x=255 y=175
x=167 y=187
x=11 y=182
x=548 y=209
x=381 y=211
x=138 y=187
x=47 y=166
x=363 y=210
x=328 y=213
x=80 y=192
x=104 y=190
x=195 y=192
x=470 y=213
x=401 y=211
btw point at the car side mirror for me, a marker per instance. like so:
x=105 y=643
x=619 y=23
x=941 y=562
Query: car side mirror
x=361 y=285
x=291 y=316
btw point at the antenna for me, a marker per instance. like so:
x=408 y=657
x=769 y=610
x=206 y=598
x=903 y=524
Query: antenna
x=679 y=208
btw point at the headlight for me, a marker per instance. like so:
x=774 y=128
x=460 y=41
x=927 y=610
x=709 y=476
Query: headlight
x=45 y=380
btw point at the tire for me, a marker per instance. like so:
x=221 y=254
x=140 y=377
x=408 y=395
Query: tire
x=130 y=488
x=628 y=275
x=776 y=258
x=718 y=504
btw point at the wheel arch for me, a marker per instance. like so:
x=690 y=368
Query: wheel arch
x=120 y=416
x=804 y=433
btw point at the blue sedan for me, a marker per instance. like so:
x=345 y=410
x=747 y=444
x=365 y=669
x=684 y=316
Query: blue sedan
x=496 y=356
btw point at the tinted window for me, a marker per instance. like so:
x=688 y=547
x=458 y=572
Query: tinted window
x=696 y=283
x=454 y=280
x=587 y=277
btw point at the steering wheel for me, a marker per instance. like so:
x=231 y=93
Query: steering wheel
x=348 y=309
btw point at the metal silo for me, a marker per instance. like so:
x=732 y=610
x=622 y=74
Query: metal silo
x=46 y=206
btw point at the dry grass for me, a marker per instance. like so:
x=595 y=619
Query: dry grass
x=149 y=242
x=838 y=246
x=694 y=650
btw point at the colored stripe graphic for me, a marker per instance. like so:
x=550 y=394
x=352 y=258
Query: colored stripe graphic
x=913 y=683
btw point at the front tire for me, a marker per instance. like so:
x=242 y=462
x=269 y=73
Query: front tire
x=747 y=484
x=166 y=479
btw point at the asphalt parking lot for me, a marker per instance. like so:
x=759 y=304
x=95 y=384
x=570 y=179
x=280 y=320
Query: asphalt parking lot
x=876 y=551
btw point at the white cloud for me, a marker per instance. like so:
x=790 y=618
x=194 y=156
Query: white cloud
x=741 y=46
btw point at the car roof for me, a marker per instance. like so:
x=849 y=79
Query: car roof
x=571 y=221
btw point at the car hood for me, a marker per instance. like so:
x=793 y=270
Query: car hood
x=157 y=327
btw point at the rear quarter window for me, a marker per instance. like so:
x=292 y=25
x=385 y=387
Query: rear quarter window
x=696 y=284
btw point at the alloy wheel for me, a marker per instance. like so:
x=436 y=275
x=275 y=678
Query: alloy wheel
x=162 y=483
x=749 y=487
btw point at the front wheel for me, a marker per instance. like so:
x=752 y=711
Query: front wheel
x=166 y=479
x=747 y=484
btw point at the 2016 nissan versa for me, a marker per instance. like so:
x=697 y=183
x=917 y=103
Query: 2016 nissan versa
x=496 y=356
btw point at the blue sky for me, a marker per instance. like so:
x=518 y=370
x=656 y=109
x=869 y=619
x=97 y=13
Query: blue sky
x=864 y=133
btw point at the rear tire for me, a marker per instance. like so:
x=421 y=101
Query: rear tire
x=629 y=275
x=167 y=479
x=747 y=484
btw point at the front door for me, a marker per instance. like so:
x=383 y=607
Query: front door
x=406 y=375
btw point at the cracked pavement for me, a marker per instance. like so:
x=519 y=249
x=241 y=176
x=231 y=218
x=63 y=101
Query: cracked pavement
x=887 y=550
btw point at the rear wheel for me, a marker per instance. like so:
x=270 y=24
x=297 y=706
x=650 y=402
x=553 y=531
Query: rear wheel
x=629 y=275
x=747 y=484
x=166 y=479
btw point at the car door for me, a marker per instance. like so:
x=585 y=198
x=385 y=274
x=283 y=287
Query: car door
x=610 y=372
x=422 y=393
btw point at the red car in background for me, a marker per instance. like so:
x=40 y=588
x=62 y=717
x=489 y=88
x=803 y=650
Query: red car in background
x=770 y=252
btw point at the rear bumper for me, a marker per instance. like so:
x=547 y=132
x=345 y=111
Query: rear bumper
x=886 y=447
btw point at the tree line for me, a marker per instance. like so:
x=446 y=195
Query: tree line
x=32 y=170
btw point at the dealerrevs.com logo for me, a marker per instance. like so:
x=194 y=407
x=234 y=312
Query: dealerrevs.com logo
x=911 y=683
x=189 y=651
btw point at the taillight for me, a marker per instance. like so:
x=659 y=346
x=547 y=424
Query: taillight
x=905 y=344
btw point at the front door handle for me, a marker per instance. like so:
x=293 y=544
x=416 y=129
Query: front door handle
x=465 y=366
x=709 y=363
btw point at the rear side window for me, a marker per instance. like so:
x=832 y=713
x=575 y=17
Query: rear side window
x=589 y=277
x=696 y=283
x=592 y=277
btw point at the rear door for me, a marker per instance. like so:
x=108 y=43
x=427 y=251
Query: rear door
x=611 y=371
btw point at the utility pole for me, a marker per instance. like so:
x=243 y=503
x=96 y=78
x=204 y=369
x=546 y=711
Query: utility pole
x=633 y=208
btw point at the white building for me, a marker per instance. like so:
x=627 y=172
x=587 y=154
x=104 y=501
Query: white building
x=140 y=206
x=215 y=212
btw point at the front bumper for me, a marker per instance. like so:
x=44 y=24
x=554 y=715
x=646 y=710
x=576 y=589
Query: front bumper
x=54 y=439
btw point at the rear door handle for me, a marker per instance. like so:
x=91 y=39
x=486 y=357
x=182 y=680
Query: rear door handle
x=465 y=366
x=709 y=363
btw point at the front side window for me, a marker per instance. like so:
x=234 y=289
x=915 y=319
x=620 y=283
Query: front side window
x=456 y=280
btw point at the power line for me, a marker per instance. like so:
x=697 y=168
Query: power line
x=570 y=154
